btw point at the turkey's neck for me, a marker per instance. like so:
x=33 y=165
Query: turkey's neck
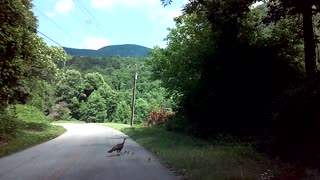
x=123 y=141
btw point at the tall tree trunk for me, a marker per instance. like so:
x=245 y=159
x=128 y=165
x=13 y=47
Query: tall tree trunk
x=309 y=42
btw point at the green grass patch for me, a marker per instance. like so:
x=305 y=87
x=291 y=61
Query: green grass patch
x=67 y=121
x=116 y=125
x=32 y=127
x=198 y=159
x=26 y=138
x=32 y=118
x=30 y=114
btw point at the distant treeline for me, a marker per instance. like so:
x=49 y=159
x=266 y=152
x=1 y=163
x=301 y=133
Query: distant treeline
x=125 y=50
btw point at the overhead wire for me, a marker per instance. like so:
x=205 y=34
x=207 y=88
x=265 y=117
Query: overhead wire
x=52 y=21
x=91 y=16
x=84 y=10
x=56 y=42
x=49 y=38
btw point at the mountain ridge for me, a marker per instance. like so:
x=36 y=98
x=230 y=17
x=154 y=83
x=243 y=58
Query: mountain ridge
x=122 y=50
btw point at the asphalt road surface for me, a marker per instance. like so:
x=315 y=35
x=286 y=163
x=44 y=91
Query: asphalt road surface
x=81 y=154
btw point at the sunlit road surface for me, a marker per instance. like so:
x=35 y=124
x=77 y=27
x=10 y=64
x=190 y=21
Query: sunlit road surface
x=81 y=154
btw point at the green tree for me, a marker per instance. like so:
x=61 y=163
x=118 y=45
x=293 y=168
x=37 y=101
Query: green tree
x=121 y=79
x=94 y=110
x=69 y=90
x=109 y=96
x=70 y=85
x=236 y=64
x=59 y=111
x=40 y=78
x=117 y=73
x=42 y=95
x=142 y=111
x=27 y=68
x=92 y=82
x=178 y=65
x=58 y=56
x=122 y=113
x=17 y=22
x=24 y=56
x=279 y=9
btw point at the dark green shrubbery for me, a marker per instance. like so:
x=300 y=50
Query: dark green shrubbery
x=8 y=124
x=59 y=111
x=294 y=123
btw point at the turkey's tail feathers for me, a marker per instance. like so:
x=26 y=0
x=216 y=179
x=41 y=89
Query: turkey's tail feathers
x=110 y=151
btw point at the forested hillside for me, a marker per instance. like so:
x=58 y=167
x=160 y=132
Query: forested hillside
x=99 y=89
x=125 y=50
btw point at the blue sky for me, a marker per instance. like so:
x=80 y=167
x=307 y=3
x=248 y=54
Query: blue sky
x=92 y=24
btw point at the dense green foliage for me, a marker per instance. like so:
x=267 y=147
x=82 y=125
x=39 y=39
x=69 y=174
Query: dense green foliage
x=28 y=67
x=279 y=9
x=99 y=89
x=226 y=86
x=238 y=70
x=125 y=50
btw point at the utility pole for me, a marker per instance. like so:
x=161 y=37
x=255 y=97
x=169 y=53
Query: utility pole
x=135 y=77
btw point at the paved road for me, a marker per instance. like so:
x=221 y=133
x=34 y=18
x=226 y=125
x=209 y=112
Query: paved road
x=81 y=154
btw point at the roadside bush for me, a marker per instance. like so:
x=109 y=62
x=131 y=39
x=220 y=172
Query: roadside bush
x=59 y=111
x=294 y=124
x=122 y=113
x=36 y=126
x=160 y=117
x=31 y=118
x=174 y=123
x=8 y=125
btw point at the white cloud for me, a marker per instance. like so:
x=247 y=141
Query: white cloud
x=154 y=9
x=102 y=4
x=95 y=43
x=185 y=1
x=173 y=14
x=50 y=14
x=64 y=6
x=163 y=16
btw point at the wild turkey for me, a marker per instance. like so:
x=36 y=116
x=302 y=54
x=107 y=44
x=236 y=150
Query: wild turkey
x=117 y=147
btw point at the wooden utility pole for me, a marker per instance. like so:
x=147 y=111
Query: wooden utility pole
x=135 y=77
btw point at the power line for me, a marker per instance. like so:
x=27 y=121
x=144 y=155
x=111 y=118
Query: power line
x=83 y=9
x=89 y=14
x=49 y=38
x=68 y=34
x=53 y=41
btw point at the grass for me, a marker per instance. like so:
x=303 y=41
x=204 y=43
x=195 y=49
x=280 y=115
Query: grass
x=33 y=129
x=24 y=139
x=69 y=121
x=116 y=125
x=198 y=159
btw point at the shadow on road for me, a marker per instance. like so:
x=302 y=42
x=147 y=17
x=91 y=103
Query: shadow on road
x=112 y=155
